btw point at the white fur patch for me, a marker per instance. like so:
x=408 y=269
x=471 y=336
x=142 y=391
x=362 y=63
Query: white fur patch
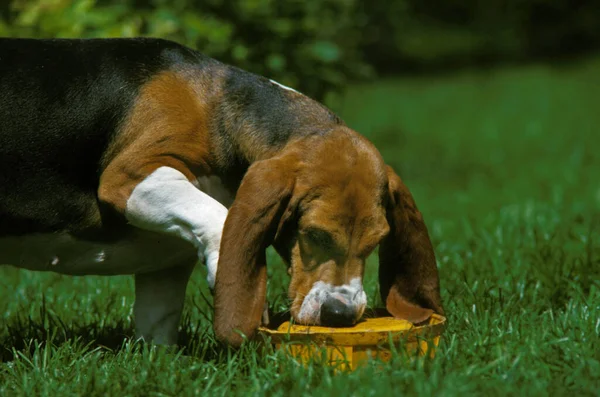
x=167 y=202
x=352 y=294
x=284 y=86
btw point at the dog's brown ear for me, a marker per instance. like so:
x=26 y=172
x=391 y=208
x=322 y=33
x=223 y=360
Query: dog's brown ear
x=250 y=227
x=408 y=276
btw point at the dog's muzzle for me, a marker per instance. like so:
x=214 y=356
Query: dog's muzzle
x=333 y=306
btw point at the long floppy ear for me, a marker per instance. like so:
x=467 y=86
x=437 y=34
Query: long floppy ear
x=408 y=276
x=250 y=227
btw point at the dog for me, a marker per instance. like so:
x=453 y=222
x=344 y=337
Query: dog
x=142 y=156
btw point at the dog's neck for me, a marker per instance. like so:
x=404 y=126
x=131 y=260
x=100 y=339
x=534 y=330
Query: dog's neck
x=256 y=117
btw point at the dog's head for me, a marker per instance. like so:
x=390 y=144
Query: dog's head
x=325 y=204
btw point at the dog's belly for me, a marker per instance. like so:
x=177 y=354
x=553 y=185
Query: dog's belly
x=137 y=251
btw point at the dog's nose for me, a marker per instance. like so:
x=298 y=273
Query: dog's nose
x=334 y=313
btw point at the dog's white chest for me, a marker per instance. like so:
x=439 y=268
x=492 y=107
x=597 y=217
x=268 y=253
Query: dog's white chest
x=136 y=252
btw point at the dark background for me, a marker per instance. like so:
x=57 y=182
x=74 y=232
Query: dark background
x=321 y=46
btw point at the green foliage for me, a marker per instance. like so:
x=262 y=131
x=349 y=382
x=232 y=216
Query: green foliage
x=313 y=46
x=504 y=167
x=319 y=46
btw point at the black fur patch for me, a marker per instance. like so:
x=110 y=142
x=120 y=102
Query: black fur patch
x=275 y=113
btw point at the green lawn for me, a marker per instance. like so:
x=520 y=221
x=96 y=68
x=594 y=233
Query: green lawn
x=505 y=166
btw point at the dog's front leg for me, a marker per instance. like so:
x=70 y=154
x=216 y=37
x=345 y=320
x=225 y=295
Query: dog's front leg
x=159 y=298
x=167 y=202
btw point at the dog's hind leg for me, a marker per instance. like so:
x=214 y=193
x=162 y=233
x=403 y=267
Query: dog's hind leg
x=159 y=298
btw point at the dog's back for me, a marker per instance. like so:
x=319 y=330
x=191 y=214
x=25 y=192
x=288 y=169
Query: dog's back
x=61 y=102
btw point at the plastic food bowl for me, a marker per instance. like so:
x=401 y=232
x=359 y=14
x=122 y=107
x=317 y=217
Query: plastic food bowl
x=349 y=348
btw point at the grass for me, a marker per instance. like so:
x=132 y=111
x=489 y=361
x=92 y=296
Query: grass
x=505 y=167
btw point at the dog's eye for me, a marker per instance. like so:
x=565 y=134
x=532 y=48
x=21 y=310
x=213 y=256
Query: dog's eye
x=320 y=237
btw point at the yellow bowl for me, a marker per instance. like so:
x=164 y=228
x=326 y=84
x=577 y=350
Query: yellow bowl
x=349 y=348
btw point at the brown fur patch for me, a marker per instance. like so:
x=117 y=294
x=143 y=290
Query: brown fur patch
x=401 y=308
x=167 y=126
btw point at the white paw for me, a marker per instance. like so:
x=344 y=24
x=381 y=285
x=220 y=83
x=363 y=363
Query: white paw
x=212 y=260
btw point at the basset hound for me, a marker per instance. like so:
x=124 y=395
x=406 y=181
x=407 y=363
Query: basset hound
x=144 y=157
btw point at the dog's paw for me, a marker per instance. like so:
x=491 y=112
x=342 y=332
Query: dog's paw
x=212 y=261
